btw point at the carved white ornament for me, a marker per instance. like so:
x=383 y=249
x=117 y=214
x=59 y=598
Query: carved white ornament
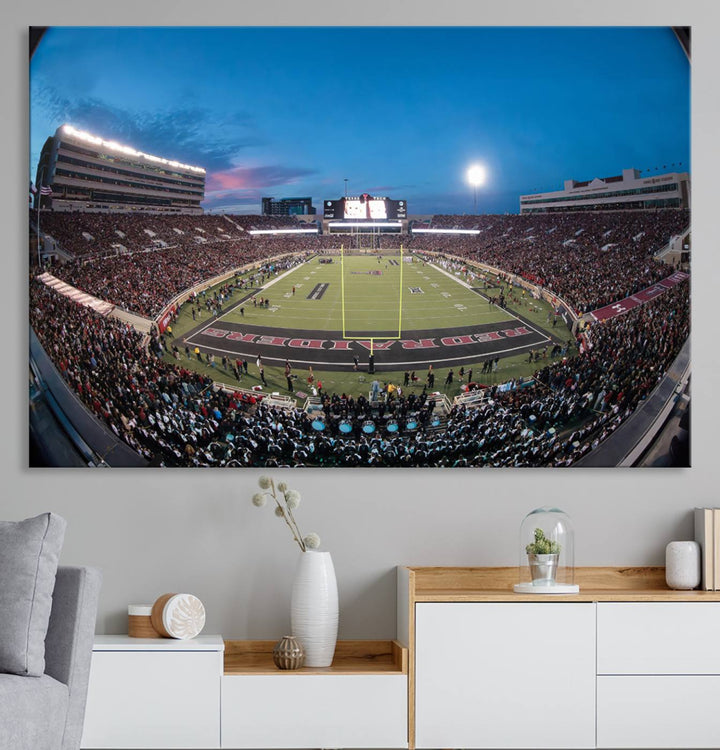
x=183 y=616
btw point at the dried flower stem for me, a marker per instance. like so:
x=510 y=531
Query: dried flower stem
x=288 y=516
x=286 y=500
x=293 y=524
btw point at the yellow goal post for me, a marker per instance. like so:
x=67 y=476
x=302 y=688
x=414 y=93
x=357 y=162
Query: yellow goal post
x=402 y=256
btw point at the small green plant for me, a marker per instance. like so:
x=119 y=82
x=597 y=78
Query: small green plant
x=542 y=545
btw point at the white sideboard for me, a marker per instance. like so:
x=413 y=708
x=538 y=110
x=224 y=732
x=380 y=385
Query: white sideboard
x=205 y=693
x=154 y=693
x=626 y=663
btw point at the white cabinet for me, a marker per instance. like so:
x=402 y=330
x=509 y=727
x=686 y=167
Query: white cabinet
x=658 y=675
x=505 y=675
x=154 y=693
x=165 y=693
x=361 y=701
x=314 y=711
x=625 y=663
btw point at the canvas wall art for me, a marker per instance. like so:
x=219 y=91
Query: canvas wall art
x=357 y=247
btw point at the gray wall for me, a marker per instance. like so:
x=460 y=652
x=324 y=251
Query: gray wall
x=164 y=530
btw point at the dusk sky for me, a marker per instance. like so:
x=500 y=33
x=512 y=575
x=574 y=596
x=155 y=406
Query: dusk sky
x=398 y=111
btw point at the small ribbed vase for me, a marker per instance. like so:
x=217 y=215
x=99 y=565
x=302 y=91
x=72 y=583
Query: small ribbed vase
x=314 y=607
x=288 y=653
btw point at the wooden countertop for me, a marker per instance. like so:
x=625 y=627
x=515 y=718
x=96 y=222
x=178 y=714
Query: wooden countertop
x=597 y=584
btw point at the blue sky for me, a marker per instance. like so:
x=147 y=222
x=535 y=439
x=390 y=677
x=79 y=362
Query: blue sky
x=398 y=111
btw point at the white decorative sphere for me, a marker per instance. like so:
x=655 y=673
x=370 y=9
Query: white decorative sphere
x=183 y=616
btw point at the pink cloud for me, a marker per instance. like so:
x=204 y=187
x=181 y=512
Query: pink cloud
x=249 y=178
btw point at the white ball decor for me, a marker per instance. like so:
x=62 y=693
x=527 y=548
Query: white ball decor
x=179 y=616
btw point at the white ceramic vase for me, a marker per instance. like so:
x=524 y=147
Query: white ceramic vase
x=314 y=607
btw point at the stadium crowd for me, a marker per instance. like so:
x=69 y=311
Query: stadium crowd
x=588 y=259
x=175 y=417
x=145 y=282
x=141 y=262
x=86 y=233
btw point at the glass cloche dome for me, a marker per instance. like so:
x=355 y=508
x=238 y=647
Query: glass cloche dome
x=546 y=553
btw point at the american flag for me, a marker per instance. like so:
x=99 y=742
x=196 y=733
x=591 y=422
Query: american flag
x=45 y=190
x=33 y=189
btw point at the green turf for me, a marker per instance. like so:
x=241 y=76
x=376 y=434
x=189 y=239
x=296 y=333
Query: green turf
x=356 y=383
x=382 y=305
x=536 y=311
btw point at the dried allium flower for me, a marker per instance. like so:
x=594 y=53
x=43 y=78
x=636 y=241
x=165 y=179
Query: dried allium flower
x=264 y=482
x=279 y=512
x=282 y=486
x=258 y=499
x=293 y=502
x=312 y=540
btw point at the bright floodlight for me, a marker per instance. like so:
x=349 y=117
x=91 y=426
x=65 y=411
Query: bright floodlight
x=476 y=175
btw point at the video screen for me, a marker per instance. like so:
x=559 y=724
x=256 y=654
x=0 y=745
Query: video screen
x=365 y=207
x=354 y=209
x=369 y=208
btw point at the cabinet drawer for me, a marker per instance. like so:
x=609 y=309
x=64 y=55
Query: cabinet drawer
x=658 y=711
x=658 y=638
x=153 y=700
x=301 y=711
x=496 y=675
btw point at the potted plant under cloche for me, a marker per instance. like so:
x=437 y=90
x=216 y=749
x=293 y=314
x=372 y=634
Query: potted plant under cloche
x=543 y=555
x=546 y=553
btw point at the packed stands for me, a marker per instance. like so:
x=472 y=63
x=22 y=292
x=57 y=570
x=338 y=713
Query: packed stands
x=588 y=259
x=140 y=262
x=175 y=417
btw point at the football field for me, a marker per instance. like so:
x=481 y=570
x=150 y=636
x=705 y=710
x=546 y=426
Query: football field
x=405 y=313
x=368 y=296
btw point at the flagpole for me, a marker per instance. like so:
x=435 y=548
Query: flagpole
x=39 y=195
x=39 y=199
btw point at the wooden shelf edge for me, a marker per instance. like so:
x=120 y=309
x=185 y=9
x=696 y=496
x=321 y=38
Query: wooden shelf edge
x=582 y=596
x=631 y=584
x=244 y=657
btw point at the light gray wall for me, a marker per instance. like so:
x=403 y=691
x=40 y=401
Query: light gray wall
x=166 y=530
x=159 y=531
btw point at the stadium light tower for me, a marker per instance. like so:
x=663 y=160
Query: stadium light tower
x=346 y=179
x=476 y=176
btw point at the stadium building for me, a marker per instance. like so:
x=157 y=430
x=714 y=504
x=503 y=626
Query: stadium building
x=87 y=173
x=625 y=191
x=288 y=207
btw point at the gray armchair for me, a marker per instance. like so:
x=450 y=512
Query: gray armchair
x=47 y=712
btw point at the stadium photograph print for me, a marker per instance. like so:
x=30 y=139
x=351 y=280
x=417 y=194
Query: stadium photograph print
x=464 y=271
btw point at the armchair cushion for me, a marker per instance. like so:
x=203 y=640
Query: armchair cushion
x=29 y=552
x=32 y=712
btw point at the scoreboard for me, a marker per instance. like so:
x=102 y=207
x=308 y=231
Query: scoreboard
x=364 y=207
